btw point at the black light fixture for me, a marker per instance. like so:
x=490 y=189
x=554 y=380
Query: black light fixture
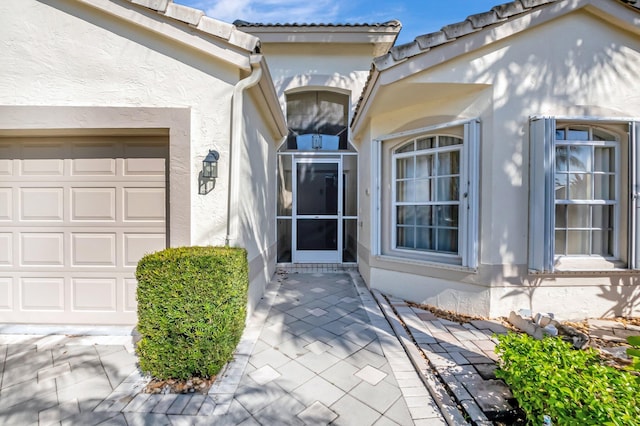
x=210 y=165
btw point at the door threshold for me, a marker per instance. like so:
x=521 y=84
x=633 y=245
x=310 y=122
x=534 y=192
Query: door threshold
x=314 y=267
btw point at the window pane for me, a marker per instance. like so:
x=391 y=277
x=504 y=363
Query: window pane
x=426 y=143
x=284 y=240
x=578 y=242
x=562 y=159
x=448 y=240
x=448 y=189
x=448 y=141
x=601 y=135
x=405 y=237
x=604 y=160
x=602 y=217
x=561 y=216
x=579 y=158
x=424 y=240
x=424 y=165
x=317 y=234
x=449 y=163
x=405 y=168
x=405 y=190
x=580 y=186
x=561 y=186
x=561 y=242
x=423 y=215
x=285 y=194
x=405 y=148
x=578 y=216
x=406 y=215
x=424 y=190
x=604 y=187
x=349 y=240
x=601 y=243
x=577 y=134
x=447 y=216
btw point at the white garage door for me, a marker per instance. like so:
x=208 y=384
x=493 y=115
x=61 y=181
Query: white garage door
x=76 y=215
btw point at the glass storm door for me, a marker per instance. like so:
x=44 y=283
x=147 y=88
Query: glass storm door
x=317 y=211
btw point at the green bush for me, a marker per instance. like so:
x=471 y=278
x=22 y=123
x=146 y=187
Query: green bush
x=191 y=310
x=549 y=377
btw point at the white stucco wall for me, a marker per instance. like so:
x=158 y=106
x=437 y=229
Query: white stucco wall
x=576 y=65
x=63 y=54
x=318 y=66
x=117 y=75
x=257 y=202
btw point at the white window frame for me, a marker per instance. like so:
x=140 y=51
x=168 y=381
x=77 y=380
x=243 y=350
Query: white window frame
x=469 y=196
x=542 y=258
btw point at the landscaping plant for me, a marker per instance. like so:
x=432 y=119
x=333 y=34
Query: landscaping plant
x=191 y=310
x=572 y=387
x=634 y=354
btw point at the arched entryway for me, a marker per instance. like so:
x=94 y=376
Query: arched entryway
x=317 y=182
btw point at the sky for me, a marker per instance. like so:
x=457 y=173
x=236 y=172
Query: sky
x=417 y=16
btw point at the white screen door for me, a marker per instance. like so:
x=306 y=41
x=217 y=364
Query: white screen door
x=317 y=211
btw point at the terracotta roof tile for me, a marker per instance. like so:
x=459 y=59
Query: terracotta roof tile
x=197 y=19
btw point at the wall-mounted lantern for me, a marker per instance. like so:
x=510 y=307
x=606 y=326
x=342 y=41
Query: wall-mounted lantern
x=210 y=165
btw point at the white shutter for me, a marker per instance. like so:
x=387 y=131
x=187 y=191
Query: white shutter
x=634 y=185
x=541 y=194
x=376 y=196
x=471 y=195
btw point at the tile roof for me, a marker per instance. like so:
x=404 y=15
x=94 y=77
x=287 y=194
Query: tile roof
x=456 y=30
x=451 y=32
x=472 y=24
x=391 y=24
x=196 y=18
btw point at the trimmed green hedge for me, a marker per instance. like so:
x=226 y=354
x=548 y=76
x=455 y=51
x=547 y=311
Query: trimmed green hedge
x=549 y=377
x=191 y=310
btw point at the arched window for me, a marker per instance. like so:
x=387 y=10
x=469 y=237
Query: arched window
x=317 y=121
x=426 y=173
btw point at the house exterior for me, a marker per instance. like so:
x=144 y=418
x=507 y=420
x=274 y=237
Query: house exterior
x=487 y=167
x=500 y=162
x=108 y=109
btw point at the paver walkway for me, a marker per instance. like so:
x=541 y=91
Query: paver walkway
x=317 y=350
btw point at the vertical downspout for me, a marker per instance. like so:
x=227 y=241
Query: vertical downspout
x=235 y=145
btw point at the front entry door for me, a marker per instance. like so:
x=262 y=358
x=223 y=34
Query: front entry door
x=317 y=211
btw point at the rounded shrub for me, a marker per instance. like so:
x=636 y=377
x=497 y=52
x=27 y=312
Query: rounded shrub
x=191 y=310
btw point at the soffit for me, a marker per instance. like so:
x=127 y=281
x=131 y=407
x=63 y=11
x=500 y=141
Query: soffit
x=381 y=35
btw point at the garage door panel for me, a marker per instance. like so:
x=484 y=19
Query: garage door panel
x=42 y=159
x=93 y=167
x=130 y=291
x=93 y=294
x=88 y=249
x=144 y=167
x=41 y=249
x=6 y=204
x=93 y=204
x=41 y=204
x=6 y=293
x=137 y=245
x=144 y=204
x=6 y=166
x=6 y=249
x=42 y=294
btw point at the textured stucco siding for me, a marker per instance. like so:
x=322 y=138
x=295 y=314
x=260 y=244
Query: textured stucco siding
x=577 y=65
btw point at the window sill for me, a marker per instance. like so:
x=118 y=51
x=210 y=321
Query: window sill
x=424 y=263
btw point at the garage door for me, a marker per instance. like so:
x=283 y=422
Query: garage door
x=76 y=215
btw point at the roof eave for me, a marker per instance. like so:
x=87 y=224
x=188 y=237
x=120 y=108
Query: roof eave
x=184 y=25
